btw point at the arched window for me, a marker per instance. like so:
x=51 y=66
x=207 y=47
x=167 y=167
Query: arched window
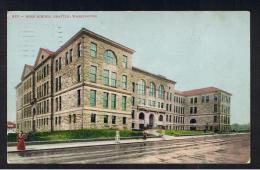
x=141 y=87
x=160 y=118
x=161 y=92
x=193 y=121
x=152 y=89
x=141 y=116
x=109 y=57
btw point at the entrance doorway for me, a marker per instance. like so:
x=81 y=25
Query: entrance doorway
x=151 y=121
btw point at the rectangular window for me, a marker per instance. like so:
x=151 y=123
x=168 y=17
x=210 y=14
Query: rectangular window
x=191 y=110
x=124 y=61
x=47 y=106
x=71 y=53
x=106 y=119
x=59 y=120
x=67 y=58
x=215 y=98
x=74 y=118
x=59 y=64
x=215 y=119
x=105 y=100
x=56 y=85
x=106 y=77
x=79 y=97
x=113 y=79
x=79 y=49
x=203 y=99
x=195 y=109
x=60 y=103
x=113 y=101
x=123 y=103
x=56 y=65
x=124 y=82
x=57 y=103
x=93 y=118
x=133 y=114
x=60 y=83
x=133 y=101
x=215 y=108
x=207 y=99
x=93 y=73
x=56 y=120
x=79 y=73
x=113 y=120
x=195 y=100
x=124 y=120
x=93 y=49
x=133 y=87
x=191 y=100
x=92 y=98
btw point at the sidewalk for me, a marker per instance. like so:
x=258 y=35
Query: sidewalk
x=80 y=144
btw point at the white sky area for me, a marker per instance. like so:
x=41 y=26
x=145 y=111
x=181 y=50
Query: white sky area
x=195 y=49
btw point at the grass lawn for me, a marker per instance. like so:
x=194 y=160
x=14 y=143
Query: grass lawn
x=184 y=132
x=75 y=134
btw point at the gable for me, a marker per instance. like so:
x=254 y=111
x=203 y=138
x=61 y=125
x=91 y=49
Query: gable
x=26 y=71
x=43 y=54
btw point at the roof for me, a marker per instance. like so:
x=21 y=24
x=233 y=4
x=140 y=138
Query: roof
x=11 y=124
x=200 y=91
x=96 y=36
x=47 y=51
x=152 y=74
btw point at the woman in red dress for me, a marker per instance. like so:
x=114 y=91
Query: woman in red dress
x=20 y=141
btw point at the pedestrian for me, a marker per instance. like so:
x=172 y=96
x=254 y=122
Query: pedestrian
x=21 y=141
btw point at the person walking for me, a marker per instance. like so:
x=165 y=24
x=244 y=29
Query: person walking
x=21 y=141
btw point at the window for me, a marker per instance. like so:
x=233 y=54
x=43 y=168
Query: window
x=133 y=114
x=207 y=99
x=69 y=118
x=93 y=73
x=74 y=118
x=60 y=103
x=79 y=49
x=124 y=82
x=191 y=110
x=56 y=65
x=59 y=120
x=79 y=97
x=124 y=61
x=124 y=120
x=141 y=87
x=105 y=100
x=79 y=73
x=71 y=53
x=110 y=57
x=92 y=98
x=160 y=118
x=93 y=118
x=215 y=108
x=57 y=103
x=161 y=92
x=56 y=120
x=60 y=83
x=195 y=100
x=106 y=119
x=123 y=103
x=203 y=99
x=56 y=85
x=152 y=89
x=191 y=100
x=195 y=109
x=133 y=87
x=215 y=119
x=113 y=79
x=215 y=98
x=93 y=49
x=67 y=58
x=113 y=120
x=133 y=101
x=59 y=65
x=106 y=77
x=113 y=101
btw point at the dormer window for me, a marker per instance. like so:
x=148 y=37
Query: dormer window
x=42 y=57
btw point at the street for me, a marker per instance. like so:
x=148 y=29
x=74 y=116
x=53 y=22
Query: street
x=222 y=149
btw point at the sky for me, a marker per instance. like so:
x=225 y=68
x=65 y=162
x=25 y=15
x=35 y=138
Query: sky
x=195 y=49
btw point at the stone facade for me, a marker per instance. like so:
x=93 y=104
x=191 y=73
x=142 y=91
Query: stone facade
x=90 y=83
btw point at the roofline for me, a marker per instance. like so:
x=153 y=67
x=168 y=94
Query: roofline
x=149 y=73
x=96 y=36
x=187 y=95
x=18 y=85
